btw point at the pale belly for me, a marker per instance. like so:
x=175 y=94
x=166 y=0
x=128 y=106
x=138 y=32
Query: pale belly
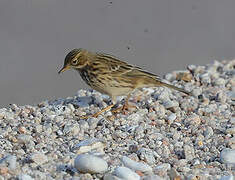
x=109 y=87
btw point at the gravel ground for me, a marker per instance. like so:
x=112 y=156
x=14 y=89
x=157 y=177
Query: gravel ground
x=167 y=136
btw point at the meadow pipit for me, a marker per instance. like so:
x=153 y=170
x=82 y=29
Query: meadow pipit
x=111 y=76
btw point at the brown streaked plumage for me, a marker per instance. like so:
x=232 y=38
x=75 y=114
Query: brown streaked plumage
x=111 y=76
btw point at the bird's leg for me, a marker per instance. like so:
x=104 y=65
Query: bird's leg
x=103 y=110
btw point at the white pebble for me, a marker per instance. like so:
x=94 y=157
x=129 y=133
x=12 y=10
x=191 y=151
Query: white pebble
x=136 y=166
x=232 y=120
x=227 y=156
x=39 y=158
x=152 y=177
x=227 y=178
x=89 y=145
x=110 y=177
x=86 y=163
x=126 y=173
x=231 y=94
x=172 y=117
x=25 y=177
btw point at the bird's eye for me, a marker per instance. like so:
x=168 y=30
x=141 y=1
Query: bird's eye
x=74 y=62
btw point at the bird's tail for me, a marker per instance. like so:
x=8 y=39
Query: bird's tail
x=176 y=88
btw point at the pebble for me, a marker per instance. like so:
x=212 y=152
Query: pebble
x=109 y=176
x=88 y=145
x=232 y=120
x=39 y=158
x=220 y=82
x=146 y=155
x=125 y=173
x=83 y=101
x=170 y=104
x=136 y=166
x=208 y=132
x=86 y=163
x=23 y=138
x=189 y=152
x=162 y=169
x=231 y=95
x=205 y=79
x=193 y=119
x=25 y=177
x=230 y=130
x=227 y=156
x=227 y=178
x=171 y=117
x=152 y=177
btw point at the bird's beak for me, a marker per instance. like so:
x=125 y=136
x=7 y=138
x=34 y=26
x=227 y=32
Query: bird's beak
x=64 y=69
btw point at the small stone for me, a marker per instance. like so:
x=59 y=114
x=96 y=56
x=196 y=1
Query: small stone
x=92 y=122
x=23 y=138
x=171 y=117
x=83 y=101
x=84 y=125
x=170 y=77
x=133 y=148
x=162 y=169
x=38 y=128
x=59 y=132
x=39 y=158
x=220 y=82
x=197 y=91
x=11 y=160
x=168 y=104
x=22 y=129
x=136 y=166
x=208 y=132
x=189 y=152
x=2 y=113
x=146 y=155
x=135 y=117
x=230 y=130
x=126 y=173
x=4 y=170
x=232 y=120
x=152 y=177
x=86 y=176
x=193 y=119
x=25 y=177
x=191 y=67
x=86 y=163
x=227 y=178
x=227 y=156
x=231 y=95
x=92 y=144
x=71 y=129
x=205 y=79
x=160 y=110
x=109 y=176
x=231 y=143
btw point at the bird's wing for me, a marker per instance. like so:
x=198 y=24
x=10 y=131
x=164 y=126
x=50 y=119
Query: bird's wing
x=113 y=65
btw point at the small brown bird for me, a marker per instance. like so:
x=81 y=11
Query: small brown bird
x=111 y=76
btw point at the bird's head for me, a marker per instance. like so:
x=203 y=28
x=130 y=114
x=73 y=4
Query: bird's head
x=76 y=59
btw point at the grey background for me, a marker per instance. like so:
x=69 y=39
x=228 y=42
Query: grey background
x=160 y=35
